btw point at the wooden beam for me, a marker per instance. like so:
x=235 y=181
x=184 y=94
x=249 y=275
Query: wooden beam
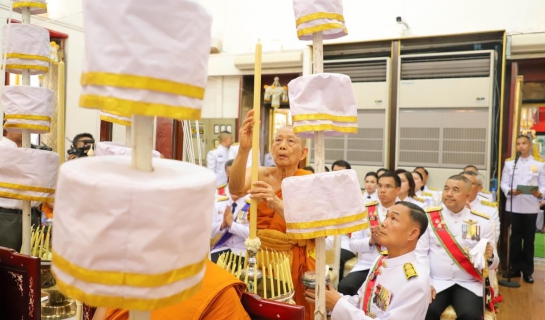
x=390 y=151
x=164 y=142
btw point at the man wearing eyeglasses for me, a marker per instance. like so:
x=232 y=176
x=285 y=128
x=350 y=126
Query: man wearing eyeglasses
x=81 y=144
x=365 y=242
x=487 y=207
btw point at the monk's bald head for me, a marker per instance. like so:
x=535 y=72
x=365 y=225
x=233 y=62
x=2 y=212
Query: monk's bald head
x=289 y=129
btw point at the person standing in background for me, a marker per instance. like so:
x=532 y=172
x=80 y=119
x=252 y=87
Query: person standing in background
x=215 y=160
x=523 y=208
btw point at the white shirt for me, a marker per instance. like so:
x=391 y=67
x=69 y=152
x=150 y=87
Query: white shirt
x=529 y=171
x=359 y=243
x=443 y=270
x=491 y=210
x=233 y=152
x=215 y=161
x=409 y=299
x=5 y=142
x=369 y=197
x=421 y=204
x=239 y=228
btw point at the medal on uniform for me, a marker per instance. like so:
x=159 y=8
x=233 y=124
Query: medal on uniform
x=533 y=168
x=382 y=298
x=471 y=230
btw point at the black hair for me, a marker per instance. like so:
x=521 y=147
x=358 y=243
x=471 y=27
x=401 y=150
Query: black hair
x=417 y=215
x=426 y=171
x=410 y=180
x=459 y=177
x=341 y=163
x=309 y=168
x=381 y=169
x=524 y=136
x=398 y=171
x=81 y=135
x=229 y=163
x=390 y=174
x=471 y=166
x=326 y=169
x=371 y=174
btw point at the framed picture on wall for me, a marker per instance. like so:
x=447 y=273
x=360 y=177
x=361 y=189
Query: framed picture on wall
x=229 y=128
x=216 y=143
x=216 y=129
x=222 y=128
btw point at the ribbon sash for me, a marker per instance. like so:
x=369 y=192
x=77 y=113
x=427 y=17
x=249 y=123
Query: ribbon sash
x=451 y=246
x=370 y=285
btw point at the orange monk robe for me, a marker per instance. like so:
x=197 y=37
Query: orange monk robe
x=219 y=299
x=302 y=250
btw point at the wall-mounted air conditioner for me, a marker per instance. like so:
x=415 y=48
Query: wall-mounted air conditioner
x=526 y=46
x=215 y=47
x=444 y=119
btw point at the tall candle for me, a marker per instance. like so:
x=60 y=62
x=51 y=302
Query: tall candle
x=256 y=268
x=284 y=278
x=264 y=281
x=46 y=254
x=269 y=263
x=61 y=113
x=272 y=282
x=255 y=136
x=277 y=275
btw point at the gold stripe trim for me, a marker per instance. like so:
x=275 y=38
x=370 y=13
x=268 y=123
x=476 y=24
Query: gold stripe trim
x=119 y=114
x=109 y=104
x=325 y=233
x=119 y=278
x=27 y=126
x=29 y=4
x=324 y=116
x=323 y=27
x=319 y=15
x=115 y=120
x=27 y=117
x=25 y=197
x=28 y=57
x=27 y=67
x=324 y=127
x=25 y=188
x=143 y=83
x=326 y=222
x=125 y=303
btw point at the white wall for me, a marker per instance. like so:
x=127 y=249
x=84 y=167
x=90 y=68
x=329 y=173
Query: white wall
x=239 y=23
x=77 y=119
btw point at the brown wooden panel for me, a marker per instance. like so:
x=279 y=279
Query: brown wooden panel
x=164 y=139
x=105 y=131
x=533 y=70
x=532 y=91
x=393 y=105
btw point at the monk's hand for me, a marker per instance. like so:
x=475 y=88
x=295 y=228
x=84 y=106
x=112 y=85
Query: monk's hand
x=433 y=294
x=310 y=296
x=263 y=190
x=228 y=217
x=246 y=130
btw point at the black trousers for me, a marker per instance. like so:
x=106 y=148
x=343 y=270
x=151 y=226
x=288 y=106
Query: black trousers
x=353 y=282
x=345 y=256
x=11 y=227
x=468 y=306
x=523 y=235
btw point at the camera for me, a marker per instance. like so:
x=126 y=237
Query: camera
x=399 y=19
x=79 y=152
x=41 y=147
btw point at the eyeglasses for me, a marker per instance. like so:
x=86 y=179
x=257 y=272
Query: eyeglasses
x=387 y=186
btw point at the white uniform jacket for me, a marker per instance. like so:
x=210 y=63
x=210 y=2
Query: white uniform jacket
x=530 y=172
x=405 y=298
x=491 y=210
x=239 y=229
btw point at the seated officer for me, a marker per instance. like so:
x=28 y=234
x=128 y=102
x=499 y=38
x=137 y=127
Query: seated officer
x=397 y=286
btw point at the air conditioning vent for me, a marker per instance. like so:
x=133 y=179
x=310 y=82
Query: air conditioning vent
x=445 y=66
x=359 y=70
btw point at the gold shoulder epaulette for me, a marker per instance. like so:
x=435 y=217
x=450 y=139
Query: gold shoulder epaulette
x=419 y=199
x=248 y=200
x=489 y=203
x=485 y=191
x=362 y=191
x=432 y=209
x=222 y=186
x=410 y=271
x=223 y=198
x=235 y=144
x=538 y=159
x=427 y=194
x=480 y=214
x=433 y=189
x=372 y=203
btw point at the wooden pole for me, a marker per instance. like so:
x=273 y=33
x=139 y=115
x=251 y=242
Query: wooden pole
x=26 y=144
x=255 y=137
x=319 y=162
x=61 y=112
x=142 y=146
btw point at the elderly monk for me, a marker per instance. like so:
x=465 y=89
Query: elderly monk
x=218 y=299
x=287 y=151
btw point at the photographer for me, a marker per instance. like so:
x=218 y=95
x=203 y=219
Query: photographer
x=80 y=145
